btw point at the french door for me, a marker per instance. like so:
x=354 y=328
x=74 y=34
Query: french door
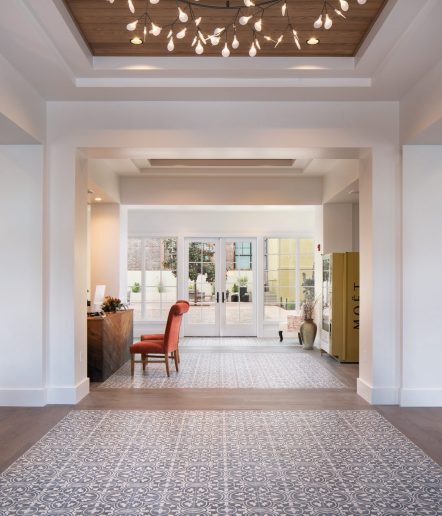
x=221 y=286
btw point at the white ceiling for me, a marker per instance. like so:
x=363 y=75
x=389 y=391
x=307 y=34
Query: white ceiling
x=40 y=39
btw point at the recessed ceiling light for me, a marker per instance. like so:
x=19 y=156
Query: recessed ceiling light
x=98 y=199
x=136 y=41
x=312 y=41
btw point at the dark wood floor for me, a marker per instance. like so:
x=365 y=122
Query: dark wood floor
x=20 y=428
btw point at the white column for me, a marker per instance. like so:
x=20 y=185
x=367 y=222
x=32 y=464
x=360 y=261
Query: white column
x=67 y=276
x=380 y=266
x=422 y=276
x=22 y=350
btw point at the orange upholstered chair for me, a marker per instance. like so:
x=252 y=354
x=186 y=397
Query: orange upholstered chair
x=160 y=336
x=158 y=350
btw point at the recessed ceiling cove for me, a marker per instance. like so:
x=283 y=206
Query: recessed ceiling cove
x=226 y=28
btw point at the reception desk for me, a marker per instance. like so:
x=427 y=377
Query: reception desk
x=108 y=341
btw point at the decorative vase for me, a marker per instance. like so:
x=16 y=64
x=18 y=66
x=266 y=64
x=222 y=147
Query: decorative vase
x=308 y=333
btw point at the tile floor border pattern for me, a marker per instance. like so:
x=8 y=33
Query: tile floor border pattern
x=275 y=463
x=230 y=370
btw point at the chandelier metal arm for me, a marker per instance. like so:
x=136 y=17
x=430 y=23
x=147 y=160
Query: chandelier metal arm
x=226 y=7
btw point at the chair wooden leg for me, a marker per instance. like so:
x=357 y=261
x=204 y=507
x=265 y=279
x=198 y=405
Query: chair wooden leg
x=178 y=355
x=175 y=357
x=132 y=364
x=166 y=360
x=143 y=358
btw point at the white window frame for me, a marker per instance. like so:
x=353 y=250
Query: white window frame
x=143 y=238
x=298 y=286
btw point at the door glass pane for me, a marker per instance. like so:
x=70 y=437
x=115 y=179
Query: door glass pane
x=201 y=283
x=239 y=279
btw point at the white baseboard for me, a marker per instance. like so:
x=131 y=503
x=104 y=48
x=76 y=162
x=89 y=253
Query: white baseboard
x=421 y=398
x=377 y=395
x=67 y=394
x=23 y=397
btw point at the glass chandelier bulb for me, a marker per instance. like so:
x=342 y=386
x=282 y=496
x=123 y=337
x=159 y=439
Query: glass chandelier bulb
x=235 y=42
x=328 y=22
x=258 y=25
x=252 y=51
x=199 y=49
x=244 y=20
x=362 y=2
x=344 y=5
x=198 y=21
x=181 y=33
x=214 y=40
x=170 y=45
x=155 y=30
x=154 y=1
x=182 y=16
x=132 y=26
x=318 y=22
x=225 y=51
x=131 y=6
x=284 y=9
x=249 y=3
x=296 y=38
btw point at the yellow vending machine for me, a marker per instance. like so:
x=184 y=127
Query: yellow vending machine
x=340 y=306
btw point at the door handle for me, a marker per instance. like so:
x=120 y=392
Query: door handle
x=217 y=297
x=222 y=297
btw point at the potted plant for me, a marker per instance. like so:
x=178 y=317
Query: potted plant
x=308 y=328
x=234 y=296
x=136 y=287
x=111 y=304
x=243 y=280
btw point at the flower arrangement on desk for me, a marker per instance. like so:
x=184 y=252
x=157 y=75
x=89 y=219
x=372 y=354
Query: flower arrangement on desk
x=111 y=304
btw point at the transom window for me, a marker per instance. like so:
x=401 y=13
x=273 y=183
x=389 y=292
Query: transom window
x=152 y=277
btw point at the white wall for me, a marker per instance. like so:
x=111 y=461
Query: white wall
x=421 y=110
x=221 y=190
x=22 y=350
x=422 y=277
x=338 y=233
x=222 y=222
x=339 y=177
x=20 y=103
x=105 y=248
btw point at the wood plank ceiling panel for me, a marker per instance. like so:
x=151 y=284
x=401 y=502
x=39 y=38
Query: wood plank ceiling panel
x=103 y=26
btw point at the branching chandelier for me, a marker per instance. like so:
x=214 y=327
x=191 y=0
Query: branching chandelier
x=189 y=20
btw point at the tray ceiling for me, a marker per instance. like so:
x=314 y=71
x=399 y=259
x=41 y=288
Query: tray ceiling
x=103 y=26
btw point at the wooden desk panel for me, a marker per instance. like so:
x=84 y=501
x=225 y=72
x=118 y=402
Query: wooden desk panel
x=108 y=342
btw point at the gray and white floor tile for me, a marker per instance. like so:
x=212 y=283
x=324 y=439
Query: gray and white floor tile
x=230 y=370
x=241 y=463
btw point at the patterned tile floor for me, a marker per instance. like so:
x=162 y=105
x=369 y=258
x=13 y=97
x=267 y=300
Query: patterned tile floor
x=231 y=370
x=240 y=342
x=271 y=463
